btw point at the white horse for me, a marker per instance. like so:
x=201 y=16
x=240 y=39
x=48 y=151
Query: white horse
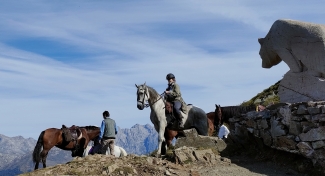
x=118 y=151
x=194 y=118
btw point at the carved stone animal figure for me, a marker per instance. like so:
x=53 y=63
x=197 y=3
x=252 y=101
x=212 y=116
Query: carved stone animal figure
x=301 y=46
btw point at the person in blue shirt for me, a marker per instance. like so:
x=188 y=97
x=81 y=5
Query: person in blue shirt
x=107 y=134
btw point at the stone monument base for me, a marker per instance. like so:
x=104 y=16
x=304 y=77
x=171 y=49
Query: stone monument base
x=301 y=87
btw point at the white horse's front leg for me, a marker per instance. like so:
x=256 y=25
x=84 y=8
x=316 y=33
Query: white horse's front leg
x=161 y=137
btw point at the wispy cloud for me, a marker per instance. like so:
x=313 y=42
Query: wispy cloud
x=65 y=63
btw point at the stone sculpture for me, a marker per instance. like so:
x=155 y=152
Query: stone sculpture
x=301 y=46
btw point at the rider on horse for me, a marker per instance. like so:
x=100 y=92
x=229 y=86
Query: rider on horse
x=173 y=95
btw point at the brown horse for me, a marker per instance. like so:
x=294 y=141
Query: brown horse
x=232 y=111
x=214 y=120
x=171 y=134
x=54 y=137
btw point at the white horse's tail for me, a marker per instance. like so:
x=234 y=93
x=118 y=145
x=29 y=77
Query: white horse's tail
x=123 y=152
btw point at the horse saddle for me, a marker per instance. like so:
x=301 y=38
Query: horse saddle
x=169 y=110
x=71 y=134
x=171 y=115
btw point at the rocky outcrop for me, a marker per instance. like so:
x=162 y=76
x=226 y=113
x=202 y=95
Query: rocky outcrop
x=185 y=155
x=107 y=165
x=193 y=139
x=194 y=147
x=297 y=128
x=143 y=165
x=301 y=46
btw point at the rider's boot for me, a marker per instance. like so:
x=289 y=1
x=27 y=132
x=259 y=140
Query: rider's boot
x=180 y=123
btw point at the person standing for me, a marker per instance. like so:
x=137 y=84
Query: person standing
x=107 y=134
x=173 y=95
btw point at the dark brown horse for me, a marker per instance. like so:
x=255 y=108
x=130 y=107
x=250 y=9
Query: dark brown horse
x=54 y=137
x=171 y=134
x=232 y=111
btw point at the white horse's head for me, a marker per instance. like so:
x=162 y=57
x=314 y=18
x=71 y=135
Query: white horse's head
x=142 y=96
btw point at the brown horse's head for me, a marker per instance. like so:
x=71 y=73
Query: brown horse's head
x=218 y=116
x=92 y=131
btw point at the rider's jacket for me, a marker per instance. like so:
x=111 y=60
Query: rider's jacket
x=175 y=95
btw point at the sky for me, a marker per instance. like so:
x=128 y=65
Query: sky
x=65 y=62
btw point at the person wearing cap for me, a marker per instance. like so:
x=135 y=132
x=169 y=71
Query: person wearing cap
x=107 y=134
x=174 y=96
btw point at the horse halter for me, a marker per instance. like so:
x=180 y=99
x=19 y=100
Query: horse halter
x=144 y=96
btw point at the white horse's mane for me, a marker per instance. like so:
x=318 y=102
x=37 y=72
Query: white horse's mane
x=153 y=94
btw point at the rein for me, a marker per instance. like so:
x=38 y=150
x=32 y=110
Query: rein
x=145 y=94
x=160 y=97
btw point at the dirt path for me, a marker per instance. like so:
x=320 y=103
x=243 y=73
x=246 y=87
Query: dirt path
x=263 y=161
x=239 y=166
x=244 y=166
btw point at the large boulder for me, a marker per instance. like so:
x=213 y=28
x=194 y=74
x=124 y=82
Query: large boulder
x=301 y=46
x=193 y=139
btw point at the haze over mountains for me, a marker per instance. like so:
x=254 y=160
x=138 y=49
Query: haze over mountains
x=16 y=152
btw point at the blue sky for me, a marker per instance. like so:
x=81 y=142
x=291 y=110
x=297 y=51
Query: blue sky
x=67 y=62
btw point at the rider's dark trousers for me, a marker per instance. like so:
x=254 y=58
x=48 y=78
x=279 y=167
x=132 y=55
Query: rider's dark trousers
x=177 y=107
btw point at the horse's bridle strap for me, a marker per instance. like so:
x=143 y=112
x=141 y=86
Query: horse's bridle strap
x=145 y=94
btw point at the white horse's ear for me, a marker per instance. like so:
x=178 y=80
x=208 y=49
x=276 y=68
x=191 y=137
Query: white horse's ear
x=136 y=85
x=144 y=83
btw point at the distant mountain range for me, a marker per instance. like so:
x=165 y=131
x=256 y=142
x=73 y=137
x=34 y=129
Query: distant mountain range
x=138 y=139
x=16 y=152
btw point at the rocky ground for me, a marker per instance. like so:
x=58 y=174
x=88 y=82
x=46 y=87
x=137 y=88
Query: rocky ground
x=217 y=158
x=237 y=165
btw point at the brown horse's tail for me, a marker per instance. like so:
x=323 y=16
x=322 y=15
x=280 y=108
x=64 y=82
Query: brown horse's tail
x=38 y=147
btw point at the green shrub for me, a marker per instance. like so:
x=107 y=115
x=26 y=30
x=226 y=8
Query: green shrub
x=266 y=97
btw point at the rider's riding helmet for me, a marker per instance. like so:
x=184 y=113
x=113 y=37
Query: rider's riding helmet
x=170 y=76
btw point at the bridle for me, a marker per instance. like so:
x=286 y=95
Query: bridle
x=145 y=94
